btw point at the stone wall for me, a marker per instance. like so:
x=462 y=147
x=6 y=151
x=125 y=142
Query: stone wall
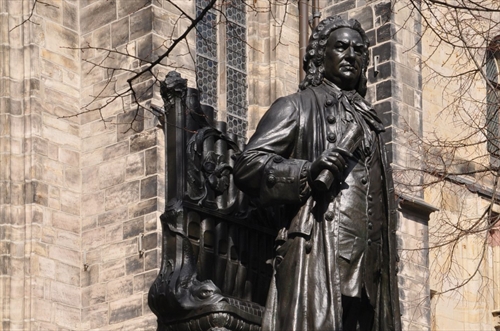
x=78 y=186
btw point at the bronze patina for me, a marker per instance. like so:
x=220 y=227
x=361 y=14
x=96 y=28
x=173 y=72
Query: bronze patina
x=319 y=156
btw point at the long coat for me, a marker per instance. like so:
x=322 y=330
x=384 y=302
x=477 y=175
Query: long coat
x=305 y=291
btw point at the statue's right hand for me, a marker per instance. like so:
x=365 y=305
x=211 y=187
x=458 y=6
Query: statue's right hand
x=331 y=160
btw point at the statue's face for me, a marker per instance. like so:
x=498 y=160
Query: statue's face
x=344 y=58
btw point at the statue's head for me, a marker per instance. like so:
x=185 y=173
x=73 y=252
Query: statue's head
x=337 y=51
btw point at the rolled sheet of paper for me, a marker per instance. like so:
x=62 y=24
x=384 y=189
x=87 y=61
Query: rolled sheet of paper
x=351 y=140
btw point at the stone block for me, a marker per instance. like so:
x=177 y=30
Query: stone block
x=70 y=202
x=133 y=228
x=141 y=23
x=119 y=149
x=149 y=187
x=64 y=293
x=120 y=34
x=44 y=267
x=70 y=16
x=97 y=141
x=68 y=274
x=385 y=33
x=143 y=208
x=97 y=14
x=151 y=241
x=134 y=265
x=65 y=255
x=50 y=9
x=68 y=156
x=67 y=317
x=93 y=203
x=125 y=309
x=151 y=222
x=112 y=270
x=117 y=215
x=145 y=52
x=72 y=179
x=143 y=140
x=119 y=288
x=384 y=90
x=114 y=232
x=111 y=173
x=62 y=138
x=126 y=7
x=49 y=235
x=90 y=179
x=135 y=166
x=65 y=221
x=129 y=123
x=93 y=295
x=68 y=239
x=151 y=260
x=123 y=194
x=60 y=60
x=96 y=316
x=93 y=239
x=61 y=40
x=364 y=15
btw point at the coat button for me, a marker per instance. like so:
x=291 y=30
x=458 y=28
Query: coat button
x=329 y=102
x=278 y=159
x=331 y=137
x=271 y=179
x=370 y=225
x=329 y=215
x=330 y=119
x=364 y=181
x=370 y=197
x=370 y=212
x=369 y=242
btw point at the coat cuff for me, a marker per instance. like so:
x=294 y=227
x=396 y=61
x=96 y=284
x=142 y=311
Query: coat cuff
x=281 y=183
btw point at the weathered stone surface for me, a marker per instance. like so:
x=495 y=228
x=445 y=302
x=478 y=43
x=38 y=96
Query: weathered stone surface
x=119 y=149
x=66 y=294
x=143 y=207
x=67 y=317
x=93 y=203
x=134 y=265
x=70 y=16
x=114 y=232
x=150 y=241
x=141 y=23
x=97 y=14
x=93 y=238
x=125 y=309
x=151 y=260
x=116 y=215
x=65 y=221
x=123 y=194
x=120 y=32
x=111 y=173
x=149 y=187
x=112 y=270
x=119 y=288
x=133 y=228
x=135 y=166
x=93 y=295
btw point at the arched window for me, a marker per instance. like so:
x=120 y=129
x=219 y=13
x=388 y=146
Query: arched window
x=493 y=99
x=221 y=63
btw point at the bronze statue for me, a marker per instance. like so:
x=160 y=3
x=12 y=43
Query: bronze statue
x=318 y=156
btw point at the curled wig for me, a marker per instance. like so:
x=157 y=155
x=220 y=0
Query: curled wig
x=315 y=52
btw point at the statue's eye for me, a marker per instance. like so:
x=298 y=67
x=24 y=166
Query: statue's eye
x=206 y=293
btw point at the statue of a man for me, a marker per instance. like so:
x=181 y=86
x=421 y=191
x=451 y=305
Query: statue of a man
x=335 y=264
